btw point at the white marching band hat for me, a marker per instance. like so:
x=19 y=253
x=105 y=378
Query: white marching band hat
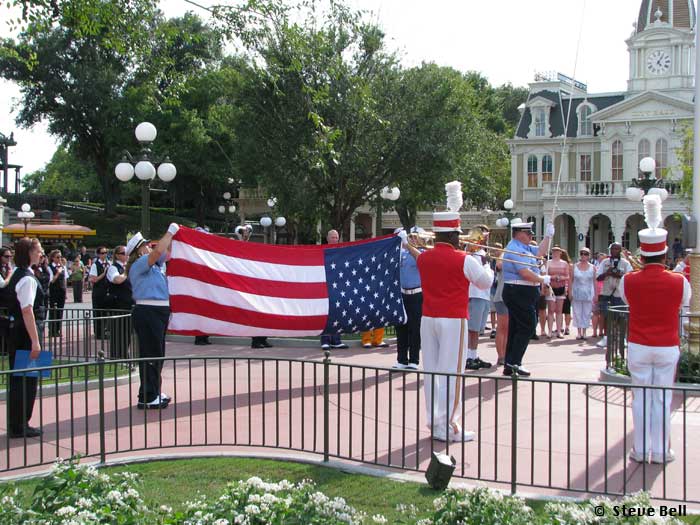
x=135 y=243
x=450 y=221
x=652 y=240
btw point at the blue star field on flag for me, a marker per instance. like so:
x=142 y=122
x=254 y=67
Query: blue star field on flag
x=364 y=289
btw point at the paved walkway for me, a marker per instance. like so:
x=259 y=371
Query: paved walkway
x=568 y=436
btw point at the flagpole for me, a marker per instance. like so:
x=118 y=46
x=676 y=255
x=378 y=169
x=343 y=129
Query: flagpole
x=694 y=331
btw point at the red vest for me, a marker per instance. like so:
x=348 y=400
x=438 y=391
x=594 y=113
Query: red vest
x=445 y=288
x=654 y=296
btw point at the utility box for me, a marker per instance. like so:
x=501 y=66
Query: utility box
x=440 y=471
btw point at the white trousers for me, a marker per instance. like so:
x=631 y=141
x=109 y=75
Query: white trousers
x=440 y=343
x=652 y=365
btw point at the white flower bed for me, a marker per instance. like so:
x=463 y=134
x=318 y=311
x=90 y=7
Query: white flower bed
x=77 y=495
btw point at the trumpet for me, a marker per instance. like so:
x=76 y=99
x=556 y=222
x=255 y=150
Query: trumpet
x=473 y=238
x=633 y=260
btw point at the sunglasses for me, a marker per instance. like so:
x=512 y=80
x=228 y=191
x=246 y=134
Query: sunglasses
x=119 y=253
x=102 y=253
x=5 y=256
x=584 y=253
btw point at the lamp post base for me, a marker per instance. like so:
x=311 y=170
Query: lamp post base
x=694 y=321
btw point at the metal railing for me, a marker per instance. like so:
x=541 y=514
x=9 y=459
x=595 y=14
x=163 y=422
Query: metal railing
x=616 y=350
x=562 y=435
x=74 y=335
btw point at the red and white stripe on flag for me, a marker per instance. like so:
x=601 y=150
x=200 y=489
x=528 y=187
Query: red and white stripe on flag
x=224 y=287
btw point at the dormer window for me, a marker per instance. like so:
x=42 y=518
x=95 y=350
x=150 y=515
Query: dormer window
x=585 y=124
x=540 y=122
x=540 y=108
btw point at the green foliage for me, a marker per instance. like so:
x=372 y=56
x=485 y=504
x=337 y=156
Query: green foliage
x=685 y=157
x=64 y=176
x=481 y=505
x=689 y=367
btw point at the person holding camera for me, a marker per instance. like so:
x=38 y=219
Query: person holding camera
x=610 y=271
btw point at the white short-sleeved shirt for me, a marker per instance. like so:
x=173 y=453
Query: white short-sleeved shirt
x=112 y=272
x=26 y=291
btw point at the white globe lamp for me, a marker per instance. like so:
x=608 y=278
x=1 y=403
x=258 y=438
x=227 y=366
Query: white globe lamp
x=634 y=194
x=647 y=165
x=280 y=221
x=271 y=202
x=232 y=209
x=167 y=172
x=661 y=192
x=222 y=209
x=508 y=204
x=26 y=207
x=227 y=195
x=124 y=171
x=145 y=132
x=265 y=222
x=144 y=170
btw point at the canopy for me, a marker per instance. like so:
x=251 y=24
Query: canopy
x=49 y=231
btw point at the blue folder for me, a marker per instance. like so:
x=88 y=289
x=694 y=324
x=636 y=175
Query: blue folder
x=22 y=361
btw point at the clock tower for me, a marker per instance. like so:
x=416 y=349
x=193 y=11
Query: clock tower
x=662 y=48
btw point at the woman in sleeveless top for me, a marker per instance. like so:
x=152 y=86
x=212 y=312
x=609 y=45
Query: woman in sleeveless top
x=582 y=292
x=559 y=272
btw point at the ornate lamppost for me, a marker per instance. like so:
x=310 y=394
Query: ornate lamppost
x=227 y=209
x=266 y=222
x=145 y=166
x=26 y=215
x=385 y=194
x=508 y=215
x=647 y=184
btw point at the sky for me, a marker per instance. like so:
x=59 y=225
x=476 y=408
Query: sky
x=505 y=40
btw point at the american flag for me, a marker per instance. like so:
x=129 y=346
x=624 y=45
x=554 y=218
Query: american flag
x=225 y=287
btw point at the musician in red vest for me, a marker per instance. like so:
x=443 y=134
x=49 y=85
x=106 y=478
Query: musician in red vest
x=446 y=274
x=654 y=296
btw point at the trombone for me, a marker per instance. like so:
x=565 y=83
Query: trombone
x=476 y=239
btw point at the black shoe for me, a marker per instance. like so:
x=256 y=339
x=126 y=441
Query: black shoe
x=28 y=431
x=482 y=364
x=507 y=370
x=199 y=342
x=534 y=337
x=267 y=345
x=472 y=365
x=493 y=334
x=257 y=345
x=341 y=345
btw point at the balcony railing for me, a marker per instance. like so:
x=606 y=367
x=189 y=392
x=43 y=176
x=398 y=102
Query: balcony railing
x=579 y=189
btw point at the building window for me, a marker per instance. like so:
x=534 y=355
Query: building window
x=661 y=157
x=643 y=150
x=586 y=126
x=617 y=160
x=585 y=167
x=547 y=168
x=540 y=122
x=532 y=171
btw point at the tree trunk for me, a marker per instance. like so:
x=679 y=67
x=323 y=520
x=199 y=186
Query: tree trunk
x=407 y=216
x=110 y=186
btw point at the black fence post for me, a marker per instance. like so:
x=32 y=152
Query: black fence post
x=514 y=434
x=326 y=402
x=101 y=383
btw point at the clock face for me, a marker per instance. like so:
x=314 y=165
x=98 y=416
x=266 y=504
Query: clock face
x=658 y=62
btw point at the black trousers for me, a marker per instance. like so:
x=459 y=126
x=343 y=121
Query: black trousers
x=408 y=335
x=150 y=324
x=521 y=301
x=119 y=332
x=77 y=291
x=260 y=340
x=98 y=305
x=22 y=394
x=57 y=300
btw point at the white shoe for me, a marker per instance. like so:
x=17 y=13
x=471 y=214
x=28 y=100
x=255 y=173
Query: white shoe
x=411 y=366
x=325 y=347
x=462 y=435
x=659 y=458
x=366 y=345
x=603 y=342
x=399 y=366
x=637 y=457
x=165 y=397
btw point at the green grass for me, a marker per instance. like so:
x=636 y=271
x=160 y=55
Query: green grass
x=175 y=482
x=78 y=373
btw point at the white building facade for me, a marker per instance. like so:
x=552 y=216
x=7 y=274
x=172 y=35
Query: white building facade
x=586 y=173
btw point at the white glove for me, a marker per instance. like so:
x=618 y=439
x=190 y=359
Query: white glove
x=403 y=236
x=549 y=230
x=546 y=279
x=173 y=228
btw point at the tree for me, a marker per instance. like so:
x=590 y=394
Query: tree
x=64 y=176
x=93 y=95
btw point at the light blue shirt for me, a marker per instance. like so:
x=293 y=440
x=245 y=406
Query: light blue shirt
x=511 y=260
x=148 y=282
x=410 y=278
